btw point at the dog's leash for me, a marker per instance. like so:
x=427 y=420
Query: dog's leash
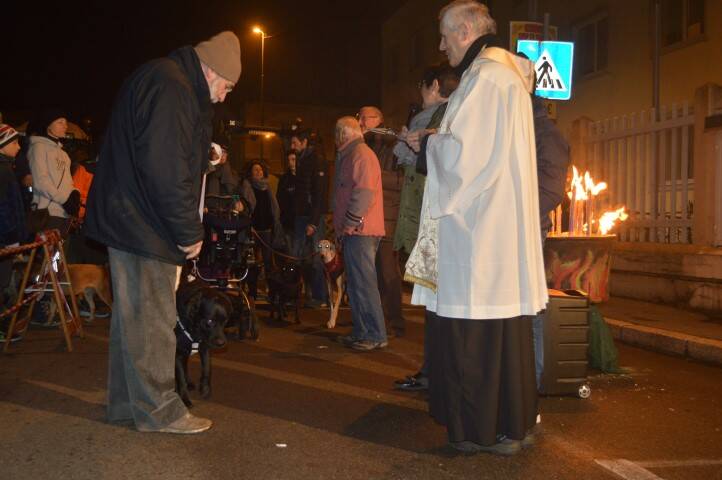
x=194 y=344
x=276 y=252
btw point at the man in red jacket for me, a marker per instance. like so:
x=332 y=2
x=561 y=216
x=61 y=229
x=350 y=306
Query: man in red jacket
x=358 y=218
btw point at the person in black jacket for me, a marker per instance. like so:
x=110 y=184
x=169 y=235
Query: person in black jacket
x=12 y=211
x=285 y=196
x=143 y=205
x=552 y=163
x=311 y=202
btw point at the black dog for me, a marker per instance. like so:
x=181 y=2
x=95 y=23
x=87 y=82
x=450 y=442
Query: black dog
x=284 y=286
x=202 y=316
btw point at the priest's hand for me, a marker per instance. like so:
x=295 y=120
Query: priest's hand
x=414 y=138
x=403 y=134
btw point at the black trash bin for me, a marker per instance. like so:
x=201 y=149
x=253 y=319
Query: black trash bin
x=566 y=341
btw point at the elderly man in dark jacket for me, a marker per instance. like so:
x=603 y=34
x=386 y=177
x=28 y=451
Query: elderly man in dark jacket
x=144 y=205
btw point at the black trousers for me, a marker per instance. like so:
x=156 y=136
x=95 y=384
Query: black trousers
x=481 y=378
x=388 y=276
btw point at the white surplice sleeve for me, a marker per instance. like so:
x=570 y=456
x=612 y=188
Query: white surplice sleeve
x=466 y=157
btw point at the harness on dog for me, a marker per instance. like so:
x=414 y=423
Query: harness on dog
x=185 y=342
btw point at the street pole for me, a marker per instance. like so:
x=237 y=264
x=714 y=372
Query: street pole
x=263 y=79
x=657 y=53
x=263 y=51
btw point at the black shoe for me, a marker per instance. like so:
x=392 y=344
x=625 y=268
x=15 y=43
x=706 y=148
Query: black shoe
x=506 y=447
x=413 y=383
x=346 y=340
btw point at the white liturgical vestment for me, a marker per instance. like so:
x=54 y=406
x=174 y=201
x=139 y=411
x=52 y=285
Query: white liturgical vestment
x=480 y=235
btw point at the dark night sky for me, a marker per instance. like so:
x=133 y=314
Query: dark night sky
x=75 y=55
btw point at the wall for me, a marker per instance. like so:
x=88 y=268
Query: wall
x=624 y=87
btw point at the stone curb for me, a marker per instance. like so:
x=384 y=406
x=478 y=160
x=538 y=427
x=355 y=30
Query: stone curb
x=665 y=341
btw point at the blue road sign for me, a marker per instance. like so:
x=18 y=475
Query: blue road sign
x=553 y=62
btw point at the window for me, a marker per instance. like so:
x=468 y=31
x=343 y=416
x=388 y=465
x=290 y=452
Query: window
x=682 y=20
x=592 y=45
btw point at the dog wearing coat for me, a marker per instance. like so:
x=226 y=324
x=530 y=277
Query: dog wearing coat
x=335 y=277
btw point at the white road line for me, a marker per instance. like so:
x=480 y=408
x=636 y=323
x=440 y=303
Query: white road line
x=627 y=470
x=96 y=397
x=678 y=463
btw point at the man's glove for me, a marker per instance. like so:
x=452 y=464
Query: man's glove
x=72 y=204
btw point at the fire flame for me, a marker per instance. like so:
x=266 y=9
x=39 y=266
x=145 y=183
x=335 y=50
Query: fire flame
x=609 y=219
x=582 y=218
x=591 y=186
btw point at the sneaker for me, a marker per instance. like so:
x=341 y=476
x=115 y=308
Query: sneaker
x=84 y=311
x=16 y=337
x=529 y=440
x=187 y=424
x=367 y=345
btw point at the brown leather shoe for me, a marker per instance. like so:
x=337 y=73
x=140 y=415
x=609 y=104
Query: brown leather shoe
x=188 y=424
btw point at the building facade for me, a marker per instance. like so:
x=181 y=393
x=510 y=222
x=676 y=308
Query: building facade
x=614 y=45
x=664 y=166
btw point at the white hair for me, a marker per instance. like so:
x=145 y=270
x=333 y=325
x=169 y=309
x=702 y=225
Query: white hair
x=470 y=11
x=347 y=128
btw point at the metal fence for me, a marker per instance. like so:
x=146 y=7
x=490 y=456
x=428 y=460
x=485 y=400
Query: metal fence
x=648 y=164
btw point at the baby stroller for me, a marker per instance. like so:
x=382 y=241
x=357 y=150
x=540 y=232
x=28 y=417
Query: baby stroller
x=226 y=257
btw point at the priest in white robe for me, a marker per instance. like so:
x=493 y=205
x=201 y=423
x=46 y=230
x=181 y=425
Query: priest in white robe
x=478 y=265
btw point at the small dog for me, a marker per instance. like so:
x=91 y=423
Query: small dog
x=285 y=285
x=334 y=272
x=88 y=280
x=203 y=313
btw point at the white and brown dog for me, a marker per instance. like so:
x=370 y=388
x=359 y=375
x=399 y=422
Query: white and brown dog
x=335 y=278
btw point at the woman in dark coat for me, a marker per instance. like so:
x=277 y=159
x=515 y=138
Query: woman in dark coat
x=265 y=218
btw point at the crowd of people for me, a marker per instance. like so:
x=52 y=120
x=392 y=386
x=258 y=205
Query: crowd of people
x=458 y=197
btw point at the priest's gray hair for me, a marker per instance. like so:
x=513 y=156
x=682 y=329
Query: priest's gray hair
x=470 y=11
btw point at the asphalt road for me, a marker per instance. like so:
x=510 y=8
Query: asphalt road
x=297 y=405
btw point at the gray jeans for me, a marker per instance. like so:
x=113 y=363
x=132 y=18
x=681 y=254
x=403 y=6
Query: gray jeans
x=141 y=363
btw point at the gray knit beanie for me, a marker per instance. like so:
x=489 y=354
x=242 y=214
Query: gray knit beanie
x=223 y=54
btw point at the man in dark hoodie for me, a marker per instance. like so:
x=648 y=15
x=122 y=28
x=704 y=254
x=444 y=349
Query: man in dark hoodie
x=144 y=205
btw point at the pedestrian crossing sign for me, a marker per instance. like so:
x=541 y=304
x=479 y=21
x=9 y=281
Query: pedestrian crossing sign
x=553 y=62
